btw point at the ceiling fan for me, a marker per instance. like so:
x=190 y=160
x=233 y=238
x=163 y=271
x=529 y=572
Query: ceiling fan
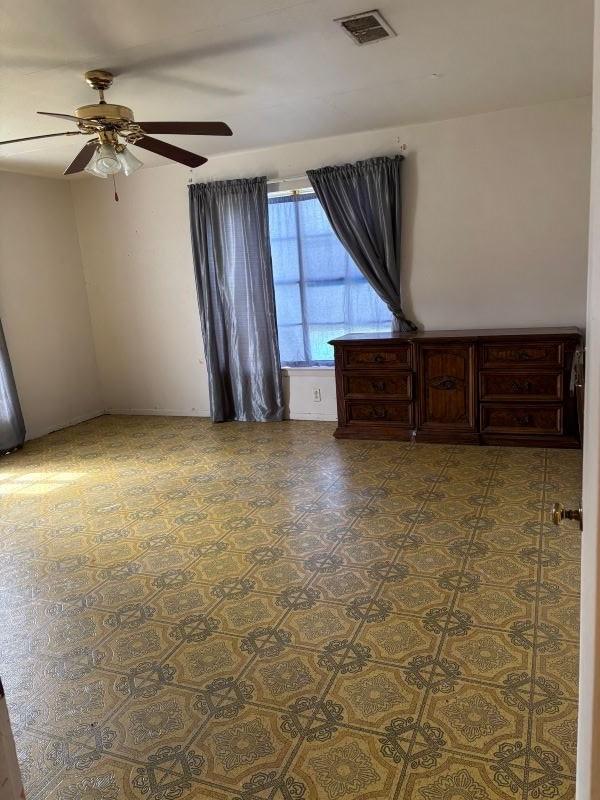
x=106 y=154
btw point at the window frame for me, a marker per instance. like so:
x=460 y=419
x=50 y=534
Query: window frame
x=294 y=196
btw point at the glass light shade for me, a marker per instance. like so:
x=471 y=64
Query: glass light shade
x=91 y=168
x=104 y=161
x=128 y=162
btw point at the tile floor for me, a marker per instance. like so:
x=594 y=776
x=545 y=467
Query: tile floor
x=260 y=611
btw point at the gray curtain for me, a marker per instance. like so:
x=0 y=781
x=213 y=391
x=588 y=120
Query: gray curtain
x=234 y=277
x=12 y=427
x=363 y=203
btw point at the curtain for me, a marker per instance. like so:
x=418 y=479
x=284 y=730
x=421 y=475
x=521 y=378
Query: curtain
x=12 y=427
x=363 y=204
x=234 y=278
x=319 y=291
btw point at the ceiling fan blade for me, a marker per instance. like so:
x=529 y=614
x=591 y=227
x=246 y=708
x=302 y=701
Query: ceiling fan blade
x=60 y=116
x=188 y=128
x=82 y=158
x=170 y=151
x=42 y=136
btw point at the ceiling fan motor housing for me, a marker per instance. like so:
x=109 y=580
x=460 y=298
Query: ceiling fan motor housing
x=105 y=111
x=99 y=115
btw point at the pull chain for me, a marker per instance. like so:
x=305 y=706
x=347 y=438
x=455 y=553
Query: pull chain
x=115 y=188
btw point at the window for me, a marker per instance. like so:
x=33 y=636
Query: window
x=319 y=291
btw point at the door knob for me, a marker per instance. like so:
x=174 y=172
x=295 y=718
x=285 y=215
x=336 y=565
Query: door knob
x=559 y=512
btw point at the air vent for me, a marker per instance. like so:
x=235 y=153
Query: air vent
x=366 y=27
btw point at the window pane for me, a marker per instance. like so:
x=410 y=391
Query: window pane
x=323 y=254
x=291 y=344
x=281 y=218
x=319 y=337
x=335 y=298
x=325 y=303
x=284 y=240
x=284 y=254
x=287 y=304
x=324 y=257
x=313 y=219
x=365 y=306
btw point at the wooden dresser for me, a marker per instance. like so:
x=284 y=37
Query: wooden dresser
x=490 y=387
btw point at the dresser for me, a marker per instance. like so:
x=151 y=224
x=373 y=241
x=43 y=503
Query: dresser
x=488 y=387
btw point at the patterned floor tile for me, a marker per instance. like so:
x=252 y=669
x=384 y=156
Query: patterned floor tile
x=456 y=776
x=347 y=765
x=238 y=747
x=372 y=698
x=282 y=680
x=260 y=611
x=476 y=718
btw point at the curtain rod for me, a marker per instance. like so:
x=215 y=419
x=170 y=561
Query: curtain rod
x=286 y=180
x=270 y=181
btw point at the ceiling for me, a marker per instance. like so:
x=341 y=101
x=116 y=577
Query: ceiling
x=279 y=70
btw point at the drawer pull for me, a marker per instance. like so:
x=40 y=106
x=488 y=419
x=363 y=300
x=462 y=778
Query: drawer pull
x=378 y=386
x=379 y=358
x=446 y=382
x=378 y=413
x=524 y=355
x=524 y=419
x=522 y=387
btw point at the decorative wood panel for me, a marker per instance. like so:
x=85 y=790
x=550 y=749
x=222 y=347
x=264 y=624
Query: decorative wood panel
x=447 y=390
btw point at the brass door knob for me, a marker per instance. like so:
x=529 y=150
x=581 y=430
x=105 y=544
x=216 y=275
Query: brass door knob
x=559 y=512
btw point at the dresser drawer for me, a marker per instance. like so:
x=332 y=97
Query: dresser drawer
x=377 y=357
x=542 y=354
x=379 y=412
x=526 y=419
x=521 y=385
x=393 y=385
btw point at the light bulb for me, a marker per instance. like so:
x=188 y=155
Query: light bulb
x=91 y=168
x=104 y=162
x=128 y=162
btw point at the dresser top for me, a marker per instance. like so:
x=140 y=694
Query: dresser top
x=473 y=333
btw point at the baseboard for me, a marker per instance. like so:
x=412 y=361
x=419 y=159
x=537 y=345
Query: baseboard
x=306 y=415
x=158 y=412
x=67 y=424
x=169 y=412
x=163 y=412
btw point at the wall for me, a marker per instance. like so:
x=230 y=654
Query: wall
x=43 y=304
x=298 y=387
x=495 y=234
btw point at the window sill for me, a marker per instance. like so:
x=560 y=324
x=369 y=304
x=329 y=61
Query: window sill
x=307 y=370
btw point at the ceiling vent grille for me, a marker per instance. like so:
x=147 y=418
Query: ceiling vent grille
x=366 y=27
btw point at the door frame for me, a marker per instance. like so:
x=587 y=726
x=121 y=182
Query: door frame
x=588 y=751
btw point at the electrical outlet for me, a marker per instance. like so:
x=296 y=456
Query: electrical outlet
x=316 y=395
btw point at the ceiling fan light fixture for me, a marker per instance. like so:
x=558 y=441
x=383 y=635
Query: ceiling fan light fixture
x=128 y=162
x=93 y=170
x=104 y=162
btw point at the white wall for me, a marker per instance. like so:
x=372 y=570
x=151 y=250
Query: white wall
x=43 y=304
x=495 y=234
x=298 y=387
